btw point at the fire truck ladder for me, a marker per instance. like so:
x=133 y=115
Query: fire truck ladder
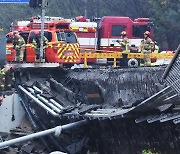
x=171 y=75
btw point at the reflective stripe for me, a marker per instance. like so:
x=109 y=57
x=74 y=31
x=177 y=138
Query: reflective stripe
x=21 y=56
x=60 y=54
x=83 y=29
x=72 y=48
x=146 y=51
x=2 y=72
x=2 y=85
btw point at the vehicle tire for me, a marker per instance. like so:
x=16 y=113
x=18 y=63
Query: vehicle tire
x=133 y=63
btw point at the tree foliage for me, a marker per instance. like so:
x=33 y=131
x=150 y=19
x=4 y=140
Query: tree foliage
x=164 y=13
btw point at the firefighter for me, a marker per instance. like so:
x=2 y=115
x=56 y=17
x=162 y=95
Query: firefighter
x=125 y=42
x=6 y=78
x=10 y=79
x=19 y=46
x=146 y=47
x=2 y=79
x=36 y=42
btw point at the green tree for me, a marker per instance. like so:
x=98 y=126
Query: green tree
x=164 y=13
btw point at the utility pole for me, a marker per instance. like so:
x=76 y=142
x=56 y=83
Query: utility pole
x=40 y=4
x=85 y=9
x=42 y=30
x=98 y=8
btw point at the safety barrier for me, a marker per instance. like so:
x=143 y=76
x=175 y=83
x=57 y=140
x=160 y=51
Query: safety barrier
x=102 y=54
x=69 y=53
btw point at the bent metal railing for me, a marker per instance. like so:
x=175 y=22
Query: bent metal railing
x=171 y=75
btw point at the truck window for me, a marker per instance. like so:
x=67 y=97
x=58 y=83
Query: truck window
x=60 y=26
x=69 y=37
x=138 y=30
x=48 y=35
x=117 y=29
x=61 y=36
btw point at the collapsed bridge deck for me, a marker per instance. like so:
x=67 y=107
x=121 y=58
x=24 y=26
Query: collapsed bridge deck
x=58 y=96
x=110 y=99
x=98 y=93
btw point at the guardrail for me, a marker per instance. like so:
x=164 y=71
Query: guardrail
x=101 y=54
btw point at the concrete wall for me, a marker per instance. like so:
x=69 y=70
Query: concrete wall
x=6 y=113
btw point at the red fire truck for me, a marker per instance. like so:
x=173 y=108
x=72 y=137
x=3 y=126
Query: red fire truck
x=20 y=26
x=62 y=47
x=107 y=32
x=110 y=28
x=86 y=33
x=104 y=35
x=23 y=29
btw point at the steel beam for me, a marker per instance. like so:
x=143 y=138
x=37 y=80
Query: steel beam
x=34 y=65
x=171 y=63
x=170 y=117
x=39 y=102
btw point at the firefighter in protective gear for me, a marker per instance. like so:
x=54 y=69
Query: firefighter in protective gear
x=2 y=79
x=6 y=78
x=36 y=42
x=125 y=42
x=19 y=46
x=146 y=47
x=10 y=79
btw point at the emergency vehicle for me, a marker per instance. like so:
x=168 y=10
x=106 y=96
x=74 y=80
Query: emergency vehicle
x=110 y=28
x=86 y=33
x=63 y=46
x=20 y=26
x=23 y=29
x=97 y=40
x=105 y=34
